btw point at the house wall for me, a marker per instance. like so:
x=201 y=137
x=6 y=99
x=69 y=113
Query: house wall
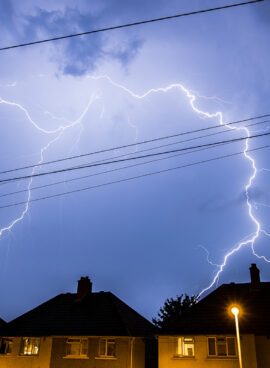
x=15 y=360
x=263 y=351
x=138 y=353
x=59 y=359
x=167 y=350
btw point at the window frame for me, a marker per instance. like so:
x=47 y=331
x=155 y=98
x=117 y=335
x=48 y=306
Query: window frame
x=181 y=341
x=8 y=341
x=216 y=355
x=81 y=341
x=23 y=346
x=108 y=341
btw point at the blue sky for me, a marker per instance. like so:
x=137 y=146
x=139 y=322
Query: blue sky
x=147 y=239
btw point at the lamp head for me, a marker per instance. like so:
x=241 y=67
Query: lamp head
x=235 y=311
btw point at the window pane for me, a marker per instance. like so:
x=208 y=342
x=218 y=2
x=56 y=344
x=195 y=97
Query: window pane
x=102 y=347
x=111 y=348
x=231 y=346
x=84 y=347
x=188 y=339
x=35 y=346
x=26 y=347
x=189 y=349
x=8 y=346
x=5 y=346
x=185 y=346
x=75 y=349
x=68 y=349
x=212 y=346
x=2 y=346
x=221 y=340
x=221 y=349
x=30 y=346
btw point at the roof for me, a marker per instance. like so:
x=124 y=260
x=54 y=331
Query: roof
x=212 y=314
x=2 y=322
x=97 y=314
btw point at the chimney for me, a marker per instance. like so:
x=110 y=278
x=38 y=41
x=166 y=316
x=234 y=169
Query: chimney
x=254 y=275
x=84 y=288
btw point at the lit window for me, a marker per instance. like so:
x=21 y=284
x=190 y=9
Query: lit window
x=185 y=346
x=30 y=346
x=77 y=347
x=221 y=346
x=5 y=345
x=107 y=348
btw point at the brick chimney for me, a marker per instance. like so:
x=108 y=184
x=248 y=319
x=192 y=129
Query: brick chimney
x=84 y=288
x=254 y=275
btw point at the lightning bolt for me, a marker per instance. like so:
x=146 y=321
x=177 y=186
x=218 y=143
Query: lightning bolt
x=208 y=256
x=261 y=204
x=191 y=97
x=251 y=240
x=58 y=132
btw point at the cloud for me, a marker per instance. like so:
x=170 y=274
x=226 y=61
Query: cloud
x=80 y=55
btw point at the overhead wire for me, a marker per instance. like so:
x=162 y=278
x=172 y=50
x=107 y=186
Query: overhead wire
x=138 y=143
x=129 y=25
x=131 y=166
x=132 y=178
x=129 y=158
x=105 y=172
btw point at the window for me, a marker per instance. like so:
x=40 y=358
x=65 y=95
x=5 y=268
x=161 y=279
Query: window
x=77 y=347
x=221 y=346
x=107 y=348
x=5 y=345
x=185 y=346
x=30 y=346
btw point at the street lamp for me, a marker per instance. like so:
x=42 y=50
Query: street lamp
x=235 y=312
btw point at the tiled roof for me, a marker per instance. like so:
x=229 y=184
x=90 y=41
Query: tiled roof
x=98 y=314
x=212 y=314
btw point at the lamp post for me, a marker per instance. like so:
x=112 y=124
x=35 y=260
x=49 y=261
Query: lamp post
x=235 y=312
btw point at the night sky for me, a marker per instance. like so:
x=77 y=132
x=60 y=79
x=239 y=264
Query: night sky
x=155 y=237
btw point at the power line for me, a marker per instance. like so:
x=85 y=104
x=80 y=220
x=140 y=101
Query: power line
x=132 y=178
x=140 y=143
x=131 y=158
x=129 y=24
x=104 y=172
x=129 y=166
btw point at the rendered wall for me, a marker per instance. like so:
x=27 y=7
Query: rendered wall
x=59 y=359
x=15 y=360
x=263 y=351
x=167 y=359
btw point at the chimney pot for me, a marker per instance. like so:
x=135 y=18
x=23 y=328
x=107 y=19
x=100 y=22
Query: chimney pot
x=84 y=288
x=254 y=275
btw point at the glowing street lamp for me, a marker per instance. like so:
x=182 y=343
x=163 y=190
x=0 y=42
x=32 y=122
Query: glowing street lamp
x=235 y=312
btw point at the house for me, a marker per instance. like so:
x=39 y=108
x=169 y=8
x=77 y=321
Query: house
x=205 y=336
x=2 y=323
x=87 y=329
